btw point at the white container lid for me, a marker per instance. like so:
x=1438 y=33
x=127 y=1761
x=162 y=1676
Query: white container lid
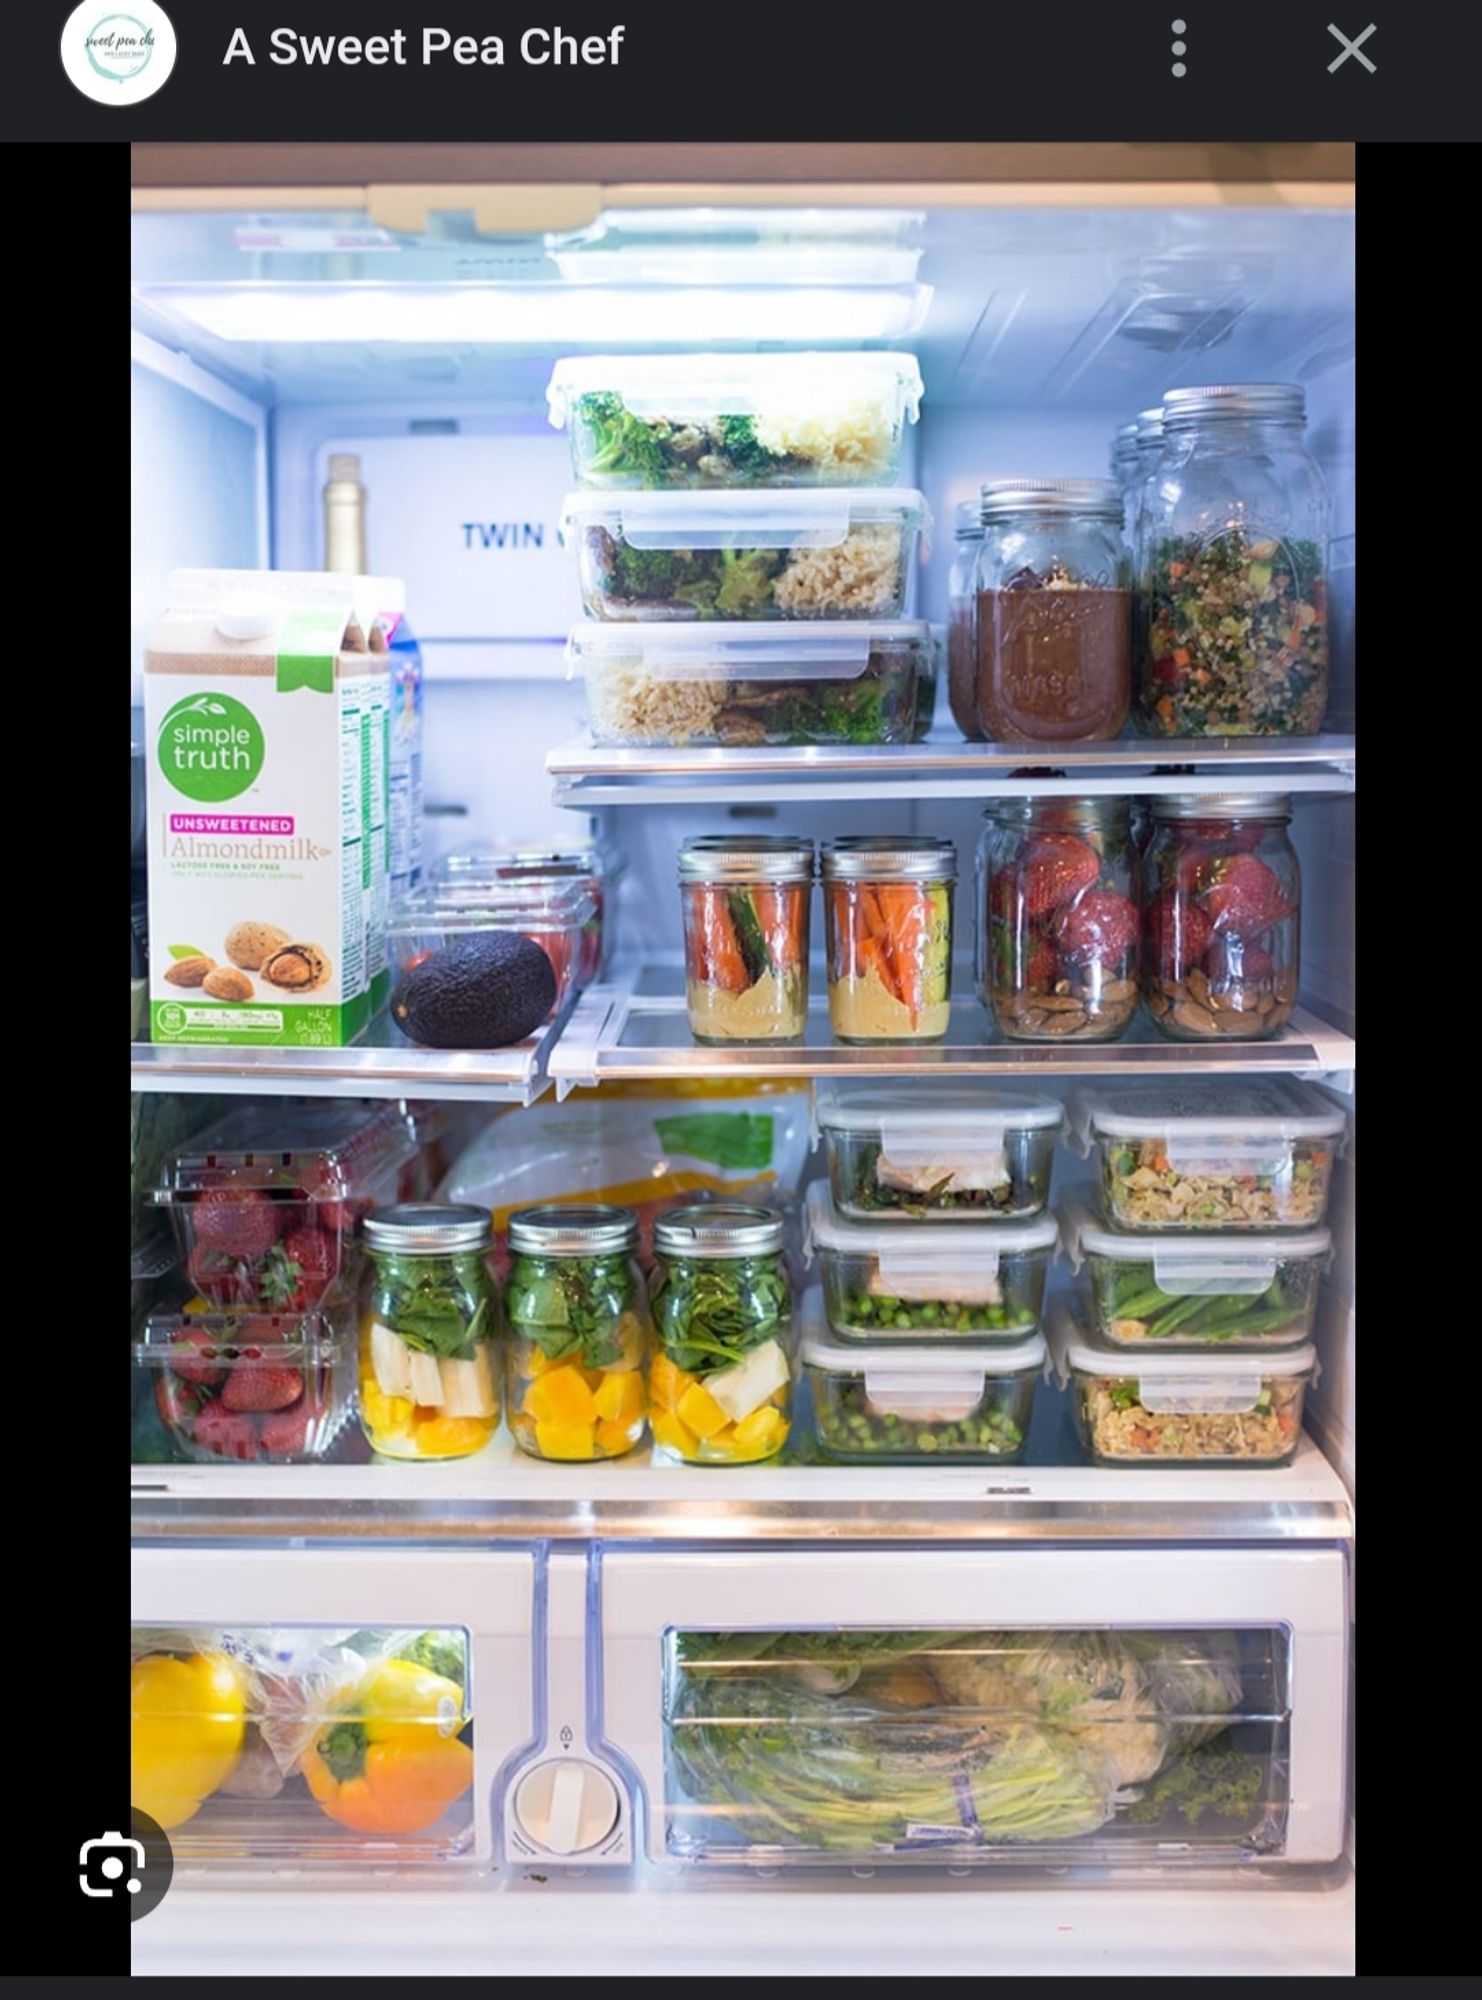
x=919 y=1109
x=702 y=385
x=806 y=517
x=1220 y=1108
x=1186 y=1265
x=948 y=1247
x=1210 y=1380
x=925 y=1382
x=828 y=649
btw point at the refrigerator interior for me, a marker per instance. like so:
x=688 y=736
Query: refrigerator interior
x=265 y=342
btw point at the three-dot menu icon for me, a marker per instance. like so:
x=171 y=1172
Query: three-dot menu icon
x=1180 y=46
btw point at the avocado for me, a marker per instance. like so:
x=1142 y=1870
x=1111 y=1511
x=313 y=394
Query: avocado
x=479 y=992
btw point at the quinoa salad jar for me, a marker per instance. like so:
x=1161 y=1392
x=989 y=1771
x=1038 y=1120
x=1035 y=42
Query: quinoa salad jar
x=747 y=901
x=887 y=905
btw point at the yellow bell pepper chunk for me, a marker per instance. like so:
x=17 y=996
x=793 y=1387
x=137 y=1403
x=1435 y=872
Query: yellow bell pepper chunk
x=764 y=1426
x=614 y=1438
x=537 y=1403
x=674 y=1435
x=557 y=1440
x=621 y=1398
x=386 y=1416
x=699 y=1409
x=452 y=1437
x=567 y=1395
x=666 y=1383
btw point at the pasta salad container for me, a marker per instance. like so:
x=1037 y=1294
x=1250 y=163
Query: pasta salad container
x=840 y=553
x=1243 y=1294
x=747 y=420
x=939 y=1149
x=1247 y=1153
x=943 y=1283
x=732 y=683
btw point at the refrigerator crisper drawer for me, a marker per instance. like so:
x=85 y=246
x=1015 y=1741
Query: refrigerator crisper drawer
x=333 y=1708
x=1119 y=1708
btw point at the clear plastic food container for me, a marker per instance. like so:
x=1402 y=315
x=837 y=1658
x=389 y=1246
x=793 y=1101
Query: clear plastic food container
x=835 y=554
x=1237 y=1154
x=737 y=684
x=923 y=1405
x=941 y=1282
x=551 y=911
x=255 y=1387
x=598 y=869
x=939 y=1149
x=1245 y=1294
x=266 y=1203
x=688 y=420
x=1183 y=1409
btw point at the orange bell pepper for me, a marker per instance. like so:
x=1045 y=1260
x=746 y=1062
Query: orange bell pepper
x=391 y=1761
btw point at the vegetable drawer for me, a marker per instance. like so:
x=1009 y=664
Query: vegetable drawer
x=1123 y=1708
x=308 y=1709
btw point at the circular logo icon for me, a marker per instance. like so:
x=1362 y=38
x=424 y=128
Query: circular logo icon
x=210 y=747
x=131 y=1871
x=170 y=1019
x=118 y=55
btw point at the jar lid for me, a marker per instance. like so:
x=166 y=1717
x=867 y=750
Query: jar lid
x=1283 y=400
x=872 y=857
x=1098 y=810
x=967 y=520
x=1223 y=805
x=574 y=1229
x=1148 y=424
x=1091 y=499
x=760 y=857
x=432 y=1228
x=718 y=1229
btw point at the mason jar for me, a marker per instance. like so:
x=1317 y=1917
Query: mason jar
x=1060 y=919
x=747 y=900
x=428 y=1384
x=720 y=1383
x=1232 y=555
x=1222 y=916
x=1124 y=462
x=578 y=1331
x=962 y=618
x=887 y=910
x=1054 y=611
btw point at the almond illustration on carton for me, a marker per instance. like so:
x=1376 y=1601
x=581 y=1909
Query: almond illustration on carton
x=299 y=968
x=226 y=983
x=247 y=945
x=189 y=971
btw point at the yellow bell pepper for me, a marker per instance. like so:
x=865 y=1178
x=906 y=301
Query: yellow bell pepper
x=391 y=1762
x=188 y=1720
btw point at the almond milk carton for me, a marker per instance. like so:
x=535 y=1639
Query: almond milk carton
x=267 y=714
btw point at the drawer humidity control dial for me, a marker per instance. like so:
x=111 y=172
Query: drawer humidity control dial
x=566 y=1806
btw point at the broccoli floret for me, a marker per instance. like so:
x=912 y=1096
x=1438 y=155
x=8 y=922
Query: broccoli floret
x=645 y=573
x=1222 y=1783
x=745 y=581
x=699 y=594
x=440 y=1652
x=738 y=440
x=622 y=442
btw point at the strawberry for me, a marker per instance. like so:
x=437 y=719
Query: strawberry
x=332 y=1208
x=1244 y=897
x=1099 y=928
x=297 y=1270
x=256 y=1388
x=1053 y=868
x=1194 y=866
x=225 y=1435
x=1043 y=962
x=177 y=1401
x=1176 y=934
x=235 y=1221
x=206 y=1371
x=1231 y=958
x=286 y=1433
x=1244 y=835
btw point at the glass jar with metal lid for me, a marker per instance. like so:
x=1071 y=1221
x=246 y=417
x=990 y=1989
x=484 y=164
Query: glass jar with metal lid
x=1059 y=919
x=579 y=1331
x=1054 y=612
x=428 y=1387
x=1221 y=916
x=720 y=1385
x=887 y=909
x=1232 y=556
x=962 y=618
x=747 y=900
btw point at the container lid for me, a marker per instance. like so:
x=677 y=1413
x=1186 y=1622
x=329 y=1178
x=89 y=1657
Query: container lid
x=1184 y=1266
x=807 y=517
x=1234 y=399
x=1148 y=423
x=574 y=1229
x=1222 y=805
x=825 y=649
x=1091 y=499
x=873 y=857
x=743 y=857
x=948 y=1246
x=718 y=1229
x=525 y=860
x=939 y=1369
x=314 y=1152
x=703 y=385
x=967 y=520
x=468 y=903
x=245 y=1338
x=429 y=1228
x=930 y=1104
x=1219 y=1108
x=1229 y=1381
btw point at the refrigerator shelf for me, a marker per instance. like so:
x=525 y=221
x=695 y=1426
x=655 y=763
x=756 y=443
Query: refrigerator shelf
x=586 y=775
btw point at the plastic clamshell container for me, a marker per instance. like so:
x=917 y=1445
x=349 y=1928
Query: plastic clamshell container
x=1240 y=1294
x=833 y=681
x=553 y=912
x=269 y=1388
x=1244 y=1154
x=940 y=1283
x=599 y=869
x=1183 y=1409
x=938 y=1150
x=923 y=1405
x=840 y=553
x=265 y=1204
x=665 y=420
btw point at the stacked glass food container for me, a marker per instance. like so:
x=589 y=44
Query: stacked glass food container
x=933 y=1241
x=1209 y=1249
x=745 y=559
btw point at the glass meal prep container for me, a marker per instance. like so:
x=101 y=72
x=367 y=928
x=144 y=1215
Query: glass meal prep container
x=429 y=1386
x=940 y=1283
x=553 y=912
x=887 y=907
x=924 y=1405
x=938 y=1149
x=746 y=901
x=962 y=618
x=1238 y=1293
x=598 y=869
x=737 y=684
x=579 y=1331
x=270 y=1388
x=1183 y=1409
x=837 y=554
x=694 y=420
x=1224 y=1154
x=265 y=1203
